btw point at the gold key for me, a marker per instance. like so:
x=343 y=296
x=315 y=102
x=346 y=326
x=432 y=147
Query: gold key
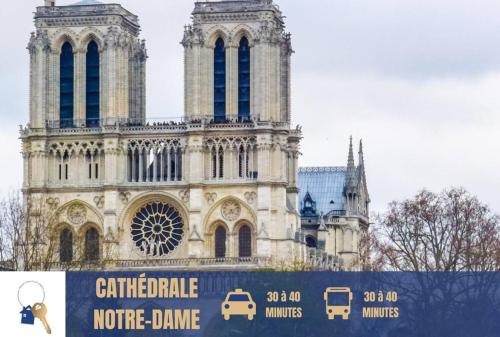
x=40 y=311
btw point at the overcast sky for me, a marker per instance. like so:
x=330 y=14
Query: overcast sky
x=418 y=80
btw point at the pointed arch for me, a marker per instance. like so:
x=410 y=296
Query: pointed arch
x=248 y=214
x=241 y=31
x=217 y=32
x=61 y=37
x=92 y=214
x=91 y=34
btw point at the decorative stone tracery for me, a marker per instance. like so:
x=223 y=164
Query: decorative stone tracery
x=157 y=229
x=77 y=214
x=211 y=197
x=231 y=210
x=250 y=197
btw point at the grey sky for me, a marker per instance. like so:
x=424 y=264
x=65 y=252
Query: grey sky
x=418 y=80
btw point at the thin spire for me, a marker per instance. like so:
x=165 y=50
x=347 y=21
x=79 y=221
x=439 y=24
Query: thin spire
x=360 y=153
x=350 y=160
x=351 y=168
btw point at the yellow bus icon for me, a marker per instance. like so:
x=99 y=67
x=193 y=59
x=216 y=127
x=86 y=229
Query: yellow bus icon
x=338 y=302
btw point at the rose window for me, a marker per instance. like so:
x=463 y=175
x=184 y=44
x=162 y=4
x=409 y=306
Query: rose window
x=157 y=229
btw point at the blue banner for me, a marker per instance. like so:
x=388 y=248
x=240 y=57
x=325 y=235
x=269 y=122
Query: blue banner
x=221 y=304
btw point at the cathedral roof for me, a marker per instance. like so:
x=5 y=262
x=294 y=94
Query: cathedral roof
x=87 y=2
x=229 y=6
x=84 y=13
x=325 y=186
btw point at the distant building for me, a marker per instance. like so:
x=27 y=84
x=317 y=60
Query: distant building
x=334 y=207
x=216 y=188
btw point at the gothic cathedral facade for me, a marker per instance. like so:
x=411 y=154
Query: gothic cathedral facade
x=218 y=188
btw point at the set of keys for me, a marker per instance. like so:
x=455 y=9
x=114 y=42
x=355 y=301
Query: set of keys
x=38 y=310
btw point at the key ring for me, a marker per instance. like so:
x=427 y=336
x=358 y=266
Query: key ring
x=25 y=283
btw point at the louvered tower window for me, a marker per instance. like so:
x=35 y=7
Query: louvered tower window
x=66 y=86
x=92 y=85
x=244 y=80
x=219 y=81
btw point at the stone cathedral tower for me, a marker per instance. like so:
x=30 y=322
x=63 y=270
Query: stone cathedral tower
x=217 y=190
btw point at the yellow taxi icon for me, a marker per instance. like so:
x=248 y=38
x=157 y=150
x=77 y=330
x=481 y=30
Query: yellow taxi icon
x=238 y=303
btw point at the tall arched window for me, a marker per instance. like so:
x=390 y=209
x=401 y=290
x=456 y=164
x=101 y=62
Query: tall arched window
x=66 y=86
x=219 y=81
x=244 y=80
x=91 y=245
x=245 y=241
x=66 y=246
x=92 y=85
x=220 y=242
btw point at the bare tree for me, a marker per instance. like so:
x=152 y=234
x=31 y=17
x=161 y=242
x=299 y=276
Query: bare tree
x=450 y=231
x=370 y=258
x=26 y=240
x=29 y=238
x=12 y=218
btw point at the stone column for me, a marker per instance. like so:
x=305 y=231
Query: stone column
x=232 y=81
x=264 y=157
x=80 y=79
x=196 y=232
x=207 y=82
x=196 y=162
x=39 y=55
x=111 y=162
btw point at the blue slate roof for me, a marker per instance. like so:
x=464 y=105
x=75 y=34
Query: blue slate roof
x=324 y=184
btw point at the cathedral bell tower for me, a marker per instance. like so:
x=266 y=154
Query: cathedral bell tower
x=237 y=62
x=87 y=66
